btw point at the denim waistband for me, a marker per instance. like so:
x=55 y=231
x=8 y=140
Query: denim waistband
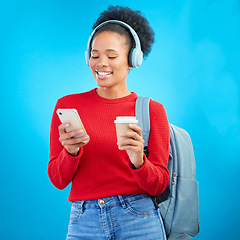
x=109 y=201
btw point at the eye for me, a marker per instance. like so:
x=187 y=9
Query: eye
x=111 y=57
x=94 y=57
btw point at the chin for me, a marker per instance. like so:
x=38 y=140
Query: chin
x=101 y=84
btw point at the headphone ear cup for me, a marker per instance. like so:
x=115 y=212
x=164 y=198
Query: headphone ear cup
x=139 y=58
x=135 y=57
x=87 y=56
x=130 y=58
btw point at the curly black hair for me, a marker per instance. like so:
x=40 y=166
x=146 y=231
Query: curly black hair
x=133 y=18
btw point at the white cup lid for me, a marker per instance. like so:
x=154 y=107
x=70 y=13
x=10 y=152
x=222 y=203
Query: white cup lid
x=126 y=120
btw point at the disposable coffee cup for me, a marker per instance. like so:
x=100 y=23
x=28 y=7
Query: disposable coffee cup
x=122 y=125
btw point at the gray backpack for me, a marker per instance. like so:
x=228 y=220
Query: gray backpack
x=178 y=204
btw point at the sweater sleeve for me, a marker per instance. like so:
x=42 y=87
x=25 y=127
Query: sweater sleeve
x=153 y=176
x=62 y=166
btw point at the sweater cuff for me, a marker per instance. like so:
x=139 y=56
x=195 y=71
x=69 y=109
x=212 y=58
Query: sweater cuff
x=71 y=157
x=133 y=169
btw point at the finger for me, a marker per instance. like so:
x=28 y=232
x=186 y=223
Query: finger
x=130 y=142
x=62 y=127
x=73 y=141
x=74 y=148
x=133 y=135
x=131 y=148
x=136 y=128
x=76 y=133
x=71 y=134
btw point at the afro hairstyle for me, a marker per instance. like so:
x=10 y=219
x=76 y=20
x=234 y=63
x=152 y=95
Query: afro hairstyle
x=134 y=19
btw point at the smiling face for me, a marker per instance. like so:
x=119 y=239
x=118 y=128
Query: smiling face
x=109 y=60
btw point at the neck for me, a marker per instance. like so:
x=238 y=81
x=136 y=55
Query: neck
x=105 y=92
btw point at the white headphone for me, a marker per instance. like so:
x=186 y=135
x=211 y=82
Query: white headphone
x=135 y=55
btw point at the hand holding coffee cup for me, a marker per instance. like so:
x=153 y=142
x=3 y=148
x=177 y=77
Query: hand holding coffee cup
x=129 y=137
x=122 y=125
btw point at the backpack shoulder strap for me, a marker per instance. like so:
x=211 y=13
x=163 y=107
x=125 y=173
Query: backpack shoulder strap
x=143 y=117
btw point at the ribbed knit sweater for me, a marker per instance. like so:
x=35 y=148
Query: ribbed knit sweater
x=101 y=169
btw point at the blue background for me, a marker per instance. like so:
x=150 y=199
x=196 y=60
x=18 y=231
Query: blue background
x=193 y=70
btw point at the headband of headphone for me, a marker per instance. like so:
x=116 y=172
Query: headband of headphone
x=135 y=54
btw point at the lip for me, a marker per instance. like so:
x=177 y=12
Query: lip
x=103 y=74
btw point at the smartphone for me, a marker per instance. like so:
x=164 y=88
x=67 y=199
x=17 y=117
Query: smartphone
x=71 y=116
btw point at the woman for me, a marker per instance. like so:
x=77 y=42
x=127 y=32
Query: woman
x=111 y=182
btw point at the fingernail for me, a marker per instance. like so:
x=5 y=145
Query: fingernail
x=130 y=125
x=67 y=124
x=86 y=137
x=80 y=131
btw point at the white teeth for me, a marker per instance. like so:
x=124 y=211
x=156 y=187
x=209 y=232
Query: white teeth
x=103 y=73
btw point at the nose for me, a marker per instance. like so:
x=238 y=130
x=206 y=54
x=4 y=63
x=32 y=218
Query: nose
x=102 y=61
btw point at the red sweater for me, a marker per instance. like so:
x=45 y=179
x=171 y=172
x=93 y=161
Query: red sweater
x=101 y=169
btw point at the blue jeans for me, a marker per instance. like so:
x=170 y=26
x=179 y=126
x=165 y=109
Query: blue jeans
x=119 y=217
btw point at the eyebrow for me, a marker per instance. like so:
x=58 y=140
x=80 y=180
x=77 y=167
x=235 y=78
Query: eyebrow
x=107 y=50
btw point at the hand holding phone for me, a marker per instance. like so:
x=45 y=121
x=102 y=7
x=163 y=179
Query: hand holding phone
x=70 y=137
x=70 y=115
